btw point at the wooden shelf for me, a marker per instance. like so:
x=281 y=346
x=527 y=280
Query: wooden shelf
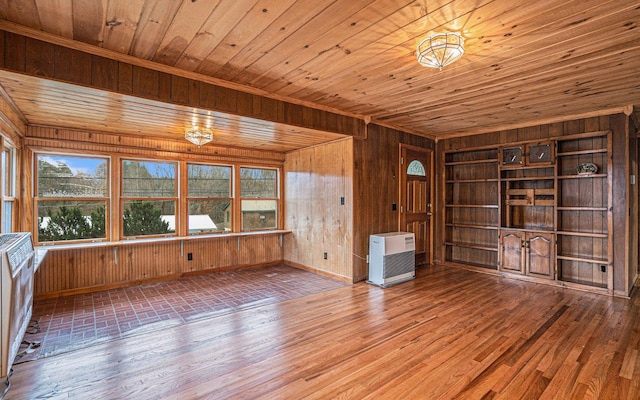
x=488 y=180
x=563 y=208
x=583 y=234
x=528 y=178
x=582 y=259
x=581 y=152
x=470 y=226
x=485 y=161
x=492 y=206
x=525 y=167
x=471 y=246
x=582 y=176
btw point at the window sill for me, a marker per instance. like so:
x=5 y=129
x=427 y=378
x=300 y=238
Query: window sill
x=160 y=239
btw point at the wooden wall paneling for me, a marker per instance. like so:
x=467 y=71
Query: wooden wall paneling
x=316 y=180
x=104 y=73
x=298 y=197
x=76 y=68
x=620 y=206
x=207 y=95
x=15 y=52
x=39 y=58
x=376 y=187
x=164 y=87
x=265 y=248
x=146 y=82
x=72 y=65
x=125 y=78
x=150 y=260
x=226 y=99
x=83 y=269
x=180 y=90
x=2 y=49
x=633 y=204
x=210 y=254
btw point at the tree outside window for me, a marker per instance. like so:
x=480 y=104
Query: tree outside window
x=149 y=197
x=71 y=197
x=209 y=198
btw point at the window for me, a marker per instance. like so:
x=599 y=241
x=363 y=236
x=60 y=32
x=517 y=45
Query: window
x=416 y=168
x=149 y=197
x=71 y=197
x=8 y=182
x=209 y=198
x=259 y=198
x=76 y=201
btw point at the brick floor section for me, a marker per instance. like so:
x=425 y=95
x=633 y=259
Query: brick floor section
x=73 y=322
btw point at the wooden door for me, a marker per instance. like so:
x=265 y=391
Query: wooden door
x=415 y=198
x=513 y=255
x=540 y=251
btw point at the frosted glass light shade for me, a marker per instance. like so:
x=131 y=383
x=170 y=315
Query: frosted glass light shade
x=440 y=50
x=198 y=136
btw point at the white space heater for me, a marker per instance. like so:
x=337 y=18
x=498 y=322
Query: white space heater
x=391 y=258
x=16 y=298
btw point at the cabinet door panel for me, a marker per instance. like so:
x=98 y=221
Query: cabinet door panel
x=512 y=252
x=540 y=255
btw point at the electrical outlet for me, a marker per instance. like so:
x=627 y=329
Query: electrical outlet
x=603 y=268
x=190 y=256
x=324 y=255
x=341 y=201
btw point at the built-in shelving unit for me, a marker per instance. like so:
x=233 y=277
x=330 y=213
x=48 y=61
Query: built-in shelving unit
x=536 y=209
x=584 y=249
x=472 y=207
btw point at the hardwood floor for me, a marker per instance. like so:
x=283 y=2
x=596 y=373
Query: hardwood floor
x=449 y=334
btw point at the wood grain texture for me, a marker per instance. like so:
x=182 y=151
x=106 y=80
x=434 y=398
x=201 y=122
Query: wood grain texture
x=29 y=56
x=450 y=333
x=377 y=188
x=358 y=58
x=316 y=179
x=589 y=214
x=93 y=268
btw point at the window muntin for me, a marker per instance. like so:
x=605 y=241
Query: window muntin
x=209 y=198
x=258 y=183
x=149 y=198
x=8 y=183
x=259 y=201
x=416 y=168
x=72 y=192
x=71 y=197
x=148 y=179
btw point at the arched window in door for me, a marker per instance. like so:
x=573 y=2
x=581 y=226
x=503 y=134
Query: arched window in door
x=416 y=168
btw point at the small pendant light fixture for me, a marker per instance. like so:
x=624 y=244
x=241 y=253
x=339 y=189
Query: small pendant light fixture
x=198 y=136
x=440 y=49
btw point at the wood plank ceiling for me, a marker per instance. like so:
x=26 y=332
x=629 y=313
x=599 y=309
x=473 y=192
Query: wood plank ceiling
x=524 y=62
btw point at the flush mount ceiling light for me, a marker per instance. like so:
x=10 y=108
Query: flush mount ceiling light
x=198 y=136
x=440 y=49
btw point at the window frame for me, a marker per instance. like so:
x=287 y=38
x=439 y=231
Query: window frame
x=188 y=198
x=176 y=197
x=115 y=201
x=9 y=156
x=278 y=188
x=38 y=199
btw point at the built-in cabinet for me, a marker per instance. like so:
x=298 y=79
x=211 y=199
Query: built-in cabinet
x=537 y=209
